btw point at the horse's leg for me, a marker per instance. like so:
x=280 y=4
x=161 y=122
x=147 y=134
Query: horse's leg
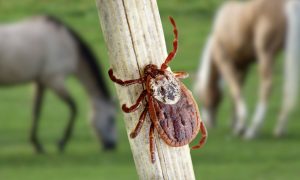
x=282 y=121
x=37 y=105
x=241 y=73
x=227 y=69
x=265 y=45
x=265 y=71
x=58 y=86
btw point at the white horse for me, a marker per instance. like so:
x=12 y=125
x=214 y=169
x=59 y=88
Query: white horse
x=45 y=51
x=244 y=32
x=292 y=65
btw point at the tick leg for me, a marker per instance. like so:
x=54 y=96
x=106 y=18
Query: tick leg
x=136 y=105
x=181 y=74
x=175 y=44
x=138 y=127
x=151 y=142
x=203 y=137
x=124 y=83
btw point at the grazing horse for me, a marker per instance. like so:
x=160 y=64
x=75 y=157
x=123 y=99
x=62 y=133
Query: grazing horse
x=45 y=51
x=244 y=33
x=292 y=65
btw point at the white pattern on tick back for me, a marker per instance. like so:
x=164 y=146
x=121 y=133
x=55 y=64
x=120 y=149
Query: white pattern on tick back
x=165 y=88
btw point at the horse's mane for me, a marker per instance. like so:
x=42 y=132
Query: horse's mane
x=86 y=52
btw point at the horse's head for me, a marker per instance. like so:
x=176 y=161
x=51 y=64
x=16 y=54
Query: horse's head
x=103 y=121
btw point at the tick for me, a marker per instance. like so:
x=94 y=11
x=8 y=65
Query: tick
x=172 y=109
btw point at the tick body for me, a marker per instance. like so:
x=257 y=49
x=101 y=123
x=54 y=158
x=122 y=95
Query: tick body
x=172 y=109
x=164 y=87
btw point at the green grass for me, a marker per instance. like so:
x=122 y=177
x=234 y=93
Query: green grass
x=224 y=156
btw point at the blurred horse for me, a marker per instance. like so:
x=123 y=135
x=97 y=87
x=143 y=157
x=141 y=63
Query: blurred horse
x=244 y=32
x=292 y=65
x=45 y=51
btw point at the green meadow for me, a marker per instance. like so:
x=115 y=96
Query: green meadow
x=224 y=156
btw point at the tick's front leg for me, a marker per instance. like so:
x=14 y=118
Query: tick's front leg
x=175 y=45
x=151 y=142
x=124 y=83
x=203 y=137
x=138 y=127
x=136 y=105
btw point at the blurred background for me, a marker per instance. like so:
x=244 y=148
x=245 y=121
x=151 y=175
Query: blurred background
x=224 y=156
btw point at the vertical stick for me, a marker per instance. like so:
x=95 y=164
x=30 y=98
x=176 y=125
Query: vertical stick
x=134 y=38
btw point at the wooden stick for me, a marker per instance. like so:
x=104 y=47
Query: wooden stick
x=134 y=37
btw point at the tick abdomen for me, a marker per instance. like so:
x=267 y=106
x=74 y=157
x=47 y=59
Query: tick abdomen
x=177 y=124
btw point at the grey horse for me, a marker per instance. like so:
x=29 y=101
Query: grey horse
x=45 y=51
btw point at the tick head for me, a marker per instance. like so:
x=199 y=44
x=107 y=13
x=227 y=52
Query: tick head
x=151 y=69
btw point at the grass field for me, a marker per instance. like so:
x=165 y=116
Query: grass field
x=224 y=156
